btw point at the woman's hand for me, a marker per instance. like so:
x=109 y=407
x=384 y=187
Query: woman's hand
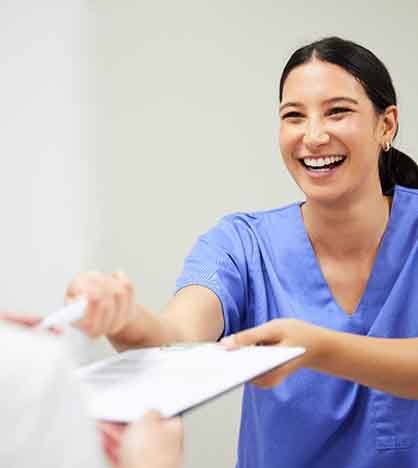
x=153 y=442
x=111 y=305
x=283 y=332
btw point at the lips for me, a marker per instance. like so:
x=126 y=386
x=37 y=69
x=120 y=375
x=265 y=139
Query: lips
x=323 y=162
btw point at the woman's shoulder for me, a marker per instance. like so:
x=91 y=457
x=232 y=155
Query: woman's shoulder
x=268 y=217
x=406 y=197
x=250 y=229
x=406 y=190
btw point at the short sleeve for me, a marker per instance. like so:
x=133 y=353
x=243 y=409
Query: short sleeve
x=218 y=262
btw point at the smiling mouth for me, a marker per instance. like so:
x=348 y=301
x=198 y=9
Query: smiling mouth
x=322 y=163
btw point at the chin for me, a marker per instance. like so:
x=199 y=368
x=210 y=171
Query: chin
x=328 y=194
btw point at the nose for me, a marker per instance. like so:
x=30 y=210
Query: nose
x=315 y=135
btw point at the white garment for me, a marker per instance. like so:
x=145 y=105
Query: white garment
x=43 y=423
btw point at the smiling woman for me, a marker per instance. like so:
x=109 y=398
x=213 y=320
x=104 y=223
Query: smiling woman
x=344 y=93
x=345 y=260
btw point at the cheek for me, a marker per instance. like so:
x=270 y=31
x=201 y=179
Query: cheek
x=350 y=132
x=358 y=139
x=353 y=133
x=289 y=139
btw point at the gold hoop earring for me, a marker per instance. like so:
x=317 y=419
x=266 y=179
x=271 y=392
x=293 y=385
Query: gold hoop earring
x=386 y=147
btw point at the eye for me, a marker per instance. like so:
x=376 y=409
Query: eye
x=338 y=111
x=292 y=115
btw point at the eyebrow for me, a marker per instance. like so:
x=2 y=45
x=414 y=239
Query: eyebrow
x=328 y=101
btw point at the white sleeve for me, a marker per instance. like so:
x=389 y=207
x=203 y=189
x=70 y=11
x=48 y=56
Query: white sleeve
x=43 y=422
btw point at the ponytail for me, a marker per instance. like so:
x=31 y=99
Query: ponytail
x=397 y=168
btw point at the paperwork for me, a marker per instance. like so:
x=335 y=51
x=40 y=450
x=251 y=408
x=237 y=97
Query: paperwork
x=172 y=379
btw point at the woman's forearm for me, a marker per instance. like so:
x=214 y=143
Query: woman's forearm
x=388 y=364
x=147 y=329
x=193 y=314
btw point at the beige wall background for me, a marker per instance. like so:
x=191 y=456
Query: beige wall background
x=187 y=120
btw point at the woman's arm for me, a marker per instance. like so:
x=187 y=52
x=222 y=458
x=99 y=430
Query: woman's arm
x=193 y=314
x=390 y=365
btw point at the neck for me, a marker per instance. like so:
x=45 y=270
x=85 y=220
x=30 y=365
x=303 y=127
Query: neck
x=349 y=228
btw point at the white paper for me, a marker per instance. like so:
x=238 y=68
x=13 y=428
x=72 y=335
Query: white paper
x=172 y=379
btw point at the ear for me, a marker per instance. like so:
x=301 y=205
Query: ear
x=389 y=124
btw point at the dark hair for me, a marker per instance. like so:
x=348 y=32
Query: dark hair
x=395 y=167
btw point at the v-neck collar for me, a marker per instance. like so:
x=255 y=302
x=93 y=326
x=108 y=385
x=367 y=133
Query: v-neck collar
x=374 y=293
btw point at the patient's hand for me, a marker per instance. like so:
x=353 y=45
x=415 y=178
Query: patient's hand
x=111 y=436
x=153 y=442
x=29 y=321
x=26 y=320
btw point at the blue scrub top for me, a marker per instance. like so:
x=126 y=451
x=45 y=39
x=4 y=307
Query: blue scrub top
x=262 y=266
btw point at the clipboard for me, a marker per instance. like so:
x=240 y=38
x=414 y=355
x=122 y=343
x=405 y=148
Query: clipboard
x=172 y=379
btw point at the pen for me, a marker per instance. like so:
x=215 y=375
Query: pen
x=65 y=315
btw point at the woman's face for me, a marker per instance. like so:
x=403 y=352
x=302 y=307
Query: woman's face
x=330 y=134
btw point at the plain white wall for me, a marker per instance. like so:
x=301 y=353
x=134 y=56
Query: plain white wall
x=186 y=96
x=43 y=176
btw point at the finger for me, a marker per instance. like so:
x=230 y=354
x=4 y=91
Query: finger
x=126 y=285
x=92 y=296
x=111 y=437
x=152 y=416
x=74 y=291
x=25 y=320
x=69 y=298
x=127 y=293
x=121 y=303
x=267 y=334
x=112 y=452
x=106 y=316
x=108 y=442
x=173 y=424
x=176 y=427
x=89 y=323
x=82 y=282
x=29 y=322
x=150 y=421
x=121 y=292
x=113 y=430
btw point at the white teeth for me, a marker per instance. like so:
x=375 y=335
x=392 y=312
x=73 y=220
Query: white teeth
x=321 y=162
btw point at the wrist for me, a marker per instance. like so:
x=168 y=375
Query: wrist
x=130 y=334
x=323 y=348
